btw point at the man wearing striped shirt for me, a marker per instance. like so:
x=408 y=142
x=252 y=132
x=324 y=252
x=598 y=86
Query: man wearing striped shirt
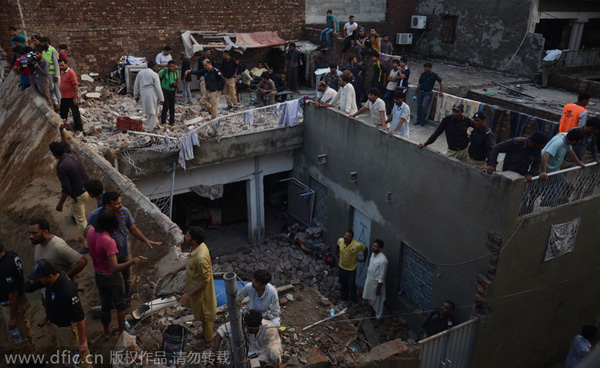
x=112 y=200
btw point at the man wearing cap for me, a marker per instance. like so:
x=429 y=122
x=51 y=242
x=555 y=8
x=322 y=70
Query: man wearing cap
x=163 y=57
x=14 y=303
x=523 y=155
x=455 y=126
x=482 y=142
x=63 y=309
x=214 y=83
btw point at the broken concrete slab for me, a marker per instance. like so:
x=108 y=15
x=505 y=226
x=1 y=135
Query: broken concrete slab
x=392 y=354
x=90 y=95
x=87 y=78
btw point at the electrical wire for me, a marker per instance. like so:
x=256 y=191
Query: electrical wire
x=480 y=257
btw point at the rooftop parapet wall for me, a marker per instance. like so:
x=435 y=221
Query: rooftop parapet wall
x=229 y=148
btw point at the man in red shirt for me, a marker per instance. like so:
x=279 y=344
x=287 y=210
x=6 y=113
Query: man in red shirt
x=69 y=90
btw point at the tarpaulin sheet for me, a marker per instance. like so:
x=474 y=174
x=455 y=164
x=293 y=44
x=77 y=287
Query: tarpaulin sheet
x=258 y=39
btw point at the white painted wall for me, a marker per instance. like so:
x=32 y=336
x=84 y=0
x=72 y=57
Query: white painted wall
x=363 y=10
x=224 y=173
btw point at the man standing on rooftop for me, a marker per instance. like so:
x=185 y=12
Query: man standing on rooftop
x=455 y=126
x=163 y=57
x=147 y=87
x=424 y=92
x=574 y=114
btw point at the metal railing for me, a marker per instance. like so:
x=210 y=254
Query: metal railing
x=242 y=122
x=301 y=201
x=450 y=348
x=562 y=187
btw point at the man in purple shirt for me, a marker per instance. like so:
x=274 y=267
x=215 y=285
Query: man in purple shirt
x=72 y=179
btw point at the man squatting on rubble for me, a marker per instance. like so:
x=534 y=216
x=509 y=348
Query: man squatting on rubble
x=263 y=338
x=262 y=296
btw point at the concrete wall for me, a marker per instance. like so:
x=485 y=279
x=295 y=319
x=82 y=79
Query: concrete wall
x=486 y=36
x=364 y=11
x=537 y=307
x=27 y=127
x=436 y=203
x=229 y=148
x=252 y=170
x=99 y=32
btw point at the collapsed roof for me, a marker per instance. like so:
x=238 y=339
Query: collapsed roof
x=195 y=41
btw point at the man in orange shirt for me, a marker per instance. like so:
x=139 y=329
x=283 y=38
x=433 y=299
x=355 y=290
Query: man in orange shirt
x=574 y=114
x=69 y=91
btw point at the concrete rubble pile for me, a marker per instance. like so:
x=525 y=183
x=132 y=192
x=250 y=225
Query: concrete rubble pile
x=287 y=265
x=101 y=105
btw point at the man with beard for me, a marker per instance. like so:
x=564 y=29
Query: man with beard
x=54 y=249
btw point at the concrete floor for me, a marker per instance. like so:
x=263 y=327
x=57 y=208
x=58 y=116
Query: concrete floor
x=550 y=99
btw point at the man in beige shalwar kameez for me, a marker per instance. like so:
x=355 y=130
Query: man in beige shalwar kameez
x=199 y=286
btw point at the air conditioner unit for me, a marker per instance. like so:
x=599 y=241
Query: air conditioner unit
x=418 y=22
x=404 y=38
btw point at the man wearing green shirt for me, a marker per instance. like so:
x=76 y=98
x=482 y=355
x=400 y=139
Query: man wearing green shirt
x=347 y=252
x=16 y=36
x=168 y=81
x=333 y=27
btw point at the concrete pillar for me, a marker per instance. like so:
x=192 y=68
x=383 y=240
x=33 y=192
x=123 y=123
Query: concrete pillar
x=576 y=35
x=256 y=208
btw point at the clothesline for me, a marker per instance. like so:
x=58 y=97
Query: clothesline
x=286 y=113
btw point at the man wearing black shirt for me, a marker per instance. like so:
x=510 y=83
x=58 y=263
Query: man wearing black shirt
x=482 y=141
x=14 y=302
x=440 y=320
x=186 y=94
x=214 y=86
x=523 y=155
x=229 y=68
x=63 y=309
x=201 y=82
x=455 y=126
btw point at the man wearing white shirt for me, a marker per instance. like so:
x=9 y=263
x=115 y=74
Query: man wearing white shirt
x=262 y=296
x=163 y=57
x=374 y=290
x=400 y=116
x=350 y=30
x=147 y=88
x=376 y=106
x=346 y=97
x=325 y=94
